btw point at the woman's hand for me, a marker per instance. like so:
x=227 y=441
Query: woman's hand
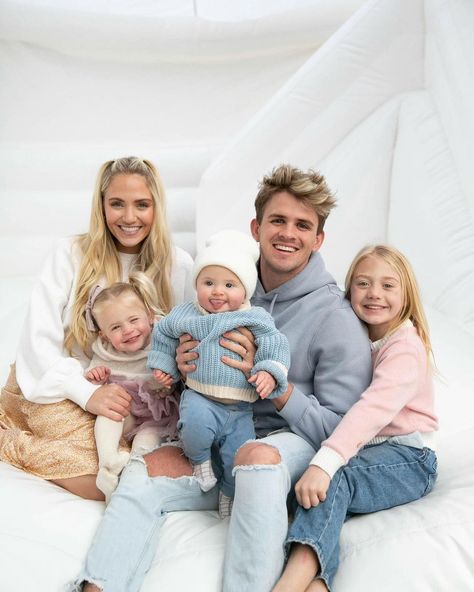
x=185 y=355
x=110 y=400
x=242 y=342
x=312 y=487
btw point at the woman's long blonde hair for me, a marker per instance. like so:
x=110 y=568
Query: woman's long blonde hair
x=412 y=307
x=100 y=258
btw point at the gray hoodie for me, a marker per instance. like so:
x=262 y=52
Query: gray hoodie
x=330 y=353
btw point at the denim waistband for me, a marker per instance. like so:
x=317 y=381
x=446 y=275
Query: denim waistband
x=415 y=440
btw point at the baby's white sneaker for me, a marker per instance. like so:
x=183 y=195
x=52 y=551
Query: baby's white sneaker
x=205 y=475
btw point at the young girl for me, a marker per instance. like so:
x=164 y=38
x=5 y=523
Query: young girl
x=381 y=453
x=124 y=314
x=48 y=407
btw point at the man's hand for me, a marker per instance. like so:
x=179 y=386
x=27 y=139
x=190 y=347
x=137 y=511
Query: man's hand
x=264 y=383
x=110 y=400
x=98 y=375
x=242 y=342
x=185 y=355
x=312 y=487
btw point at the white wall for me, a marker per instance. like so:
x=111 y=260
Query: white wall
x=82 y=82
x=383 y=109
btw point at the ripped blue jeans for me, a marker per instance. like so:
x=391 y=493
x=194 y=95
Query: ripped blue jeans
x=379 y=477
x=125 y=543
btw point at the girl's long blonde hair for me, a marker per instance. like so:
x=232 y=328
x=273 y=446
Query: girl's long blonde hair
x=412 y=307
x=100 y=258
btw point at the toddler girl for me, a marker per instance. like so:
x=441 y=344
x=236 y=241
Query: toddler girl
x=381 y=453
x=123 y=315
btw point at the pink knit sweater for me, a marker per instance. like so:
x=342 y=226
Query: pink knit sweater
x=399 y=400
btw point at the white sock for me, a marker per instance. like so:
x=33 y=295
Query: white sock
x=107 y=477
x=225 y=505
x=205 y=475
x=107 y=482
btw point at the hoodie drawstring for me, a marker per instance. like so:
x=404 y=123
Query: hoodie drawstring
x=270 y=310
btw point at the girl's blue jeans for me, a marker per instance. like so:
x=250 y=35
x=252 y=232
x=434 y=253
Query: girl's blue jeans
x=379 y=477
x=125 y=543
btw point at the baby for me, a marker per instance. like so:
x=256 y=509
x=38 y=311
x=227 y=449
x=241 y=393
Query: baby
x=215 y=409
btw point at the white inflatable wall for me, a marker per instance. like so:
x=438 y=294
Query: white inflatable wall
x=82 y=82
x=230 y=89
x=384 y=110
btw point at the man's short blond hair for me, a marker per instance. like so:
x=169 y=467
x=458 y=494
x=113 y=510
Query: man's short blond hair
x=310 y=187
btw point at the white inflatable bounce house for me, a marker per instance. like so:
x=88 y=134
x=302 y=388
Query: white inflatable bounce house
x=378 y=95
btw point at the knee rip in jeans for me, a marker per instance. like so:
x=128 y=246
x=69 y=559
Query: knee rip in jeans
x=142 y=461
x=78 y=587
x=140 y=456
x=254 y=453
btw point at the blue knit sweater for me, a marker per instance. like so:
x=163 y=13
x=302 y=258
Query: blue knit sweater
x=213 y=377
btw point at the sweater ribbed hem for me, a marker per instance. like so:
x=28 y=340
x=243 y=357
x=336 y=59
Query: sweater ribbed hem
x=415 y=440
x=331 y=461
x=223 y=392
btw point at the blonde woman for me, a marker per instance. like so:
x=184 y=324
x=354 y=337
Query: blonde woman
x=48 y=408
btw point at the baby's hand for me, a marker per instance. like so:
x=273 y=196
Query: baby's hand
x=264 y=383
x=164 y=380
x=98 y=375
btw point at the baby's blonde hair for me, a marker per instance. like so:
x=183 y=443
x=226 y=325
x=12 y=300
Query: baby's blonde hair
x=412 y=307
x=100 y=258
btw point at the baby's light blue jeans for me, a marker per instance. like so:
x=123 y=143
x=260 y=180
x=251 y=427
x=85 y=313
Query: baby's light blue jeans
x=379 y=477
x=125 y=542
x=204 y=422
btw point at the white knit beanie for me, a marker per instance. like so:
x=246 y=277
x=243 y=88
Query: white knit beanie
x=235 y=251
